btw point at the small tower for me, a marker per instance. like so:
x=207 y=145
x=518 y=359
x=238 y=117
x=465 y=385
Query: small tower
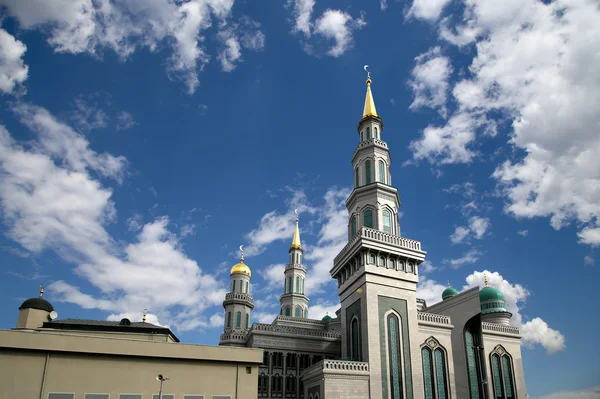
x=493 y=305
x=293 y=301
x=449 y=292
x=34 y=312
x=238 y=304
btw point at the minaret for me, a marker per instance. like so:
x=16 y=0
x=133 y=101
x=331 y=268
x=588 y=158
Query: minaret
x=293 y=301
x=238 y=305
x=377 y=272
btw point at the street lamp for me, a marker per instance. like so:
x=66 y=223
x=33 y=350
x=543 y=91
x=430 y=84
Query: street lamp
x=162 y=379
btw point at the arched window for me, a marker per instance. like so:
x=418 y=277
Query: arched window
x=288 y=311
x=228 y=319
x=290 y=282
x=233 y=286
x=394 y=356
x=367 y=172
x=372 y=259
x=302 y=286
x=427 y=373
x=502 y=374
x=247 y=320
x=381 y=172
x=356 y=175
x=382 y=261
x=362 y=136
x=376 y=133
x=441 y=381
x=434 y=370
x=401 y=265
x=238 y=320
x=368 y=133
x=247 y=284
x=305 y=313
x=410 y=267
x=392 y=264
x=298 y=312
x=355 y=340
x=368 y=218
x=297 y=284
x=387 y=220
x=300 y=258
x=353 y=226
x=472 y=366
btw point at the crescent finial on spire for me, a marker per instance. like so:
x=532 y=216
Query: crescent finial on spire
x=242 y=251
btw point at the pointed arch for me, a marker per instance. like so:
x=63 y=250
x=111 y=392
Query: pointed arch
x=472 y=365
x=386 y=222
x=298 y=312
x=381 y=174
x=368 y=218
x=288 y=311
x=355 y=353
x=368 y=133
x=238 y=320
x=503 y=381
x=368 y=171
x=435 y=369
x=395 y=354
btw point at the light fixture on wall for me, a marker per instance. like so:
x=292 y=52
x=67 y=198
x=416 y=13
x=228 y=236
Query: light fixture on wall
x=162 y=379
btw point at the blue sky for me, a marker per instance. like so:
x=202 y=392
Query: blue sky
x=143 y=142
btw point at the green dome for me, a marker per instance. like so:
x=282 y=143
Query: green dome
x=326 y=317
x=449 y=292
x=490 y=294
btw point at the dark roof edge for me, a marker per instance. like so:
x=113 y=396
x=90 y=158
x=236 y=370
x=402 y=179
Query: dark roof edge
x=121 y=329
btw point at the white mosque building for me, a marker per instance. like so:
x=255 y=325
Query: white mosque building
x=384 y=341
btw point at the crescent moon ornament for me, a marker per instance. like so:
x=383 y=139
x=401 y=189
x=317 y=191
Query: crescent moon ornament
x=296 y=212
x=368 y=73
x=365 y=68
x=242 y=251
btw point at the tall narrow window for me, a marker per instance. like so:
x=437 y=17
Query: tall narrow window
x=300 y=258
x=362 y=136
x=233 y=286
x=353 y=226
x=368 y=218
x=298 y=312
x=427 y=372
x=290 y=282
x=472 y=365
x=376 y=133
x=297 y=284
x=356 y=175
x=368 y=133
x=238 y=320
x=394 y=353
x=288 y=311
x=247 y=320
x=502 y=374
x=387 y=220
x=228 y=319
x=368 y=172
x=496 y=378
x=247 y=284
x=302 y=286
x=441 y=382
x=305 y=313
x=354 y=332
x=381 y=172
x=507 y=374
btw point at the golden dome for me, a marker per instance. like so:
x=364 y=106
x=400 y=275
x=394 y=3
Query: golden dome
x=241 y=268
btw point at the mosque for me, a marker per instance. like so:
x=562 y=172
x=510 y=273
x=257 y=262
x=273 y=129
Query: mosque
x=384 y=342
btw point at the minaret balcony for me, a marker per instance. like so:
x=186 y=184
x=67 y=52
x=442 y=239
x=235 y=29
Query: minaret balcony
x=238 y=297
x=377 y=240
x=367 y=143
x=295 y=266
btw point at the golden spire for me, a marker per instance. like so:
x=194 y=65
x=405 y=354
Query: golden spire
x=369 y=102
x=144 y=316
x=296 y=240
x=41 y=290
x=485 y=280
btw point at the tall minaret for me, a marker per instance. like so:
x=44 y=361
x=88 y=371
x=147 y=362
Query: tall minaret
x=238 y=304
x=293 y=301
x=377 y=273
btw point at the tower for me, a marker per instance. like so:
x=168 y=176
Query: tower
x=377 y=271
x=293 y=301
x=238 y=305
x=35 y=311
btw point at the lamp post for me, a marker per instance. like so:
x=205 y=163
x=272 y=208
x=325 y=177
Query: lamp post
x=162 y=379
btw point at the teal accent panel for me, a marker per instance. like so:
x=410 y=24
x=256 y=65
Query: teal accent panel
x=506 y=370
x=496 y=376
x=368 y=218
x=367 y=172
x=393 y=323
x=471 y=365
x=228 y=319
x=238 y=320
x=356 y=175
x=427 y=376
x=298 y=284
x=351 y=311
x=386 y=304
x=287 y=311
x=247 y=320
x=381 y=172
x=387 y=221
x=368 y=133
x=298 y=312
x=440 y=374
x=355 y=333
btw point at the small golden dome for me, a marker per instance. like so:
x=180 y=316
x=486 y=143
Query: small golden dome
x=241 y=268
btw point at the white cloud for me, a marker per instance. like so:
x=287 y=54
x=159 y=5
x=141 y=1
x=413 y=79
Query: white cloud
x=586 y=393
x=321 y=310
x=523 y=233
x=231 y=52
x=125 y=121
x=383 y=4
x=262 y=317
x=429 y=81
x=430 y=291
x=274 y=275
x=471 y=256
x=479 y=226
x=460 y=233
x=589 y=261
x=217 y=320
x=338 y=26
x=533 y=332
x=187 y=230
x=426 y=267
x=531 y=76
x=80 y=26
x=302 y=15
x=49 y=199
x=88 y=116
x=427 y=9
x=13 y=71
x=136 y=317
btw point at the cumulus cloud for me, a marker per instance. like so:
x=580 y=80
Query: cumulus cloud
x=429 y=81
x=13 y=71
x=586 y=393
x=531 y=77
x=523 y=233
x=125 y=121
x=469 y=257
x=302 y=13
x=479 y=226
x=321 y=310
x=338 y=26
x=589 y=261
x=427 y=9
x=460 y=233
x=86 y=26
x=273 y=274
x=52 y=199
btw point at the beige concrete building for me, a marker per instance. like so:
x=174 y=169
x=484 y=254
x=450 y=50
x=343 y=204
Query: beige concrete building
x=88 y=359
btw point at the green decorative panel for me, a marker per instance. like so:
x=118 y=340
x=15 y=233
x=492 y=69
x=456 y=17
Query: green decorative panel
x=440 y=374
x=381 y=172
x=367 y=172
x=506 y=371
x=228 y=319
x=471 y=365
x=238 y=320
x=298 y=312
x=352 y=311
x=385 y=304
x=368 y=133
x=247 y=320
x=427 y=376
x=496 y=376
x=387 y=221
x=368 y=218
x=355 y=344
x=287 y=311
x=297 y=284
x=394 y=348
